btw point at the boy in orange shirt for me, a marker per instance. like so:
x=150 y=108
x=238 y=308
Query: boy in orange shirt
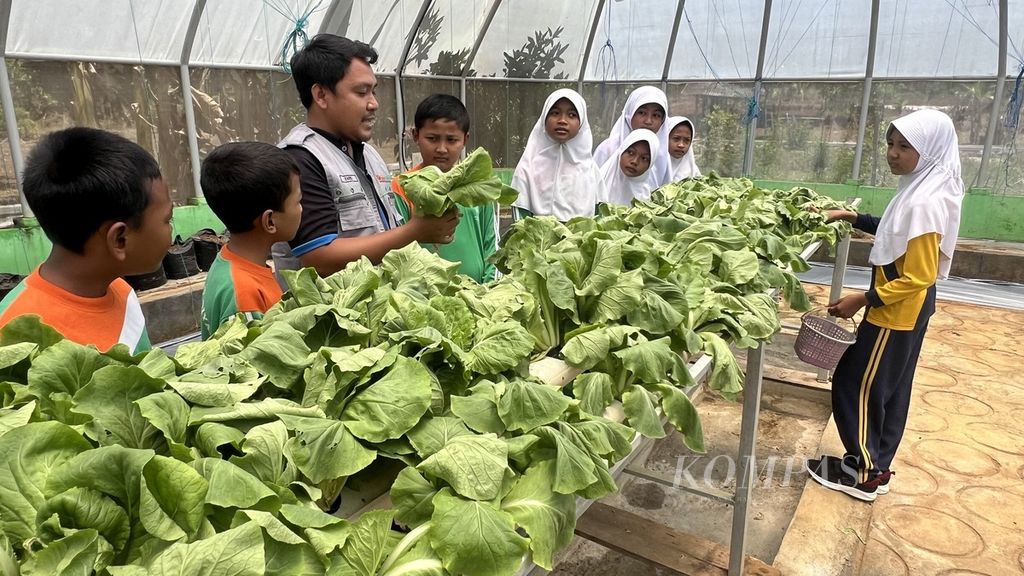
x=254 y=189
x=102 y=201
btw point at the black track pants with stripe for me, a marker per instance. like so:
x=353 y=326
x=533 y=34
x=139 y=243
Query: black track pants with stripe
x=871 y=394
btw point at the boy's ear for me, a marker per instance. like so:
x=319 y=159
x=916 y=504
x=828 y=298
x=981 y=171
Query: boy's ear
x=266 y=222
x=414 y=133
x=116 y=240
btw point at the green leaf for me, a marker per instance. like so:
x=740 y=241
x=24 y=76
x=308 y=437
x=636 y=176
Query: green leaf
x=726 y=377
x=268 y=409
x=548 y=517
x=479 y=410
x=212 y=436
x=168 y=413
x=157 y=364
x=639 y=406
x=587 y=349
x=412 y=496
x=527 y=404
x=73 y=555
x=81 y=508
x=235 y=552
x=738 y=266
x=29 y=328
x=274 y=528
x=473 y=465
x=264 y=448
x=113 y=470
x=474 y=537
x=216 y=394
x=432 y=434
x=618 y=300
x=605 y=268
x=683 y=415
x=109 y=398
x=58 y=373
x=14 y=353
x=369 y=543
x=291 y=559
x=11 y=419
x=172 y=497
x=280 y=353
x=574 y=469
x=648 y=360
x=324 y=449
x=390 y=406
x=230 y=486
x=594 y=391
x=29 y=455
x=654 y=314
x=499 y=347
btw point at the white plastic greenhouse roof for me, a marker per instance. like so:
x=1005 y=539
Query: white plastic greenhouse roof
x=604 y=40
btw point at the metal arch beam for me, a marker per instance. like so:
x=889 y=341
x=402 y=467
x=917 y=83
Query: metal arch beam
x=590 y=44
x=869 y=74
x=328 y=16
x=399 y=97
x=186 y=94
x=993 y=119
x=748 y=151
x=672 y=41
x=495 y=4
x=7 y=98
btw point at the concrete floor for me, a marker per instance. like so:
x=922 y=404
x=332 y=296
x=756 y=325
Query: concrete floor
x=957 y=502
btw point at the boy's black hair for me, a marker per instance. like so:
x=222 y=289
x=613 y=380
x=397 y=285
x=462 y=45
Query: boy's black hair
x=325 y=61
x=78 y=178
x=241 y=180
x=444 y=106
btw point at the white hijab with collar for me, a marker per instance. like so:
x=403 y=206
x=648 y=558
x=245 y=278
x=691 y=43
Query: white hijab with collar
x=560 y=180
x=685 y=167
x=928 y=199
x=623 y=126
x=622 y=189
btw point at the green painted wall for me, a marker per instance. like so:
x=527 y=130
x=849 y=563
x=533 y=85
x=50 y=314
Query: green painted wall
x=25 y=247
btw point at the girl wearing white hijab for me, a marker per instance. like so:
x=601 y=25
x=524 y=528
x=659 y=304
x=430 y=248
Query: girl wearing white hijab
x=680 y=149
x=629 y=172
x=646 y=107
x=914 y=243
x=557 y=175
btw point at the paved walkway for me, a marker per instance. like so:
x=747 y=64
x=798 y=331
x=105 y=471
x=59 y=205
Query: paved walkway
x=957 y=500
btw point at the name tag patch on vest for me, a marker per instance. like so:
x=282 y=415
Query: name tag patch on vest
x=348 y=178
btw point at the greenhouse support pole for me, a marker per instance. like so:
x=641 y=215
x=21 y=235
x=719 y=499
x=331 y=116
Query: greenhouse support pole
x=10 y=116
x=332 y=9
x=13 y=138
x=399 y=97
x=495 y=4
x=869 y=73
x=993 y=120
x=748 y=151
x=672 y=43
x=590 y=44
x=186 y=94
x=746 y=468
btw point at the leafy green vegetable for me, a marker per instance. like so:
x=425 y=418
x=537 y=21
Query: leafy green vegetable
x=471 y=182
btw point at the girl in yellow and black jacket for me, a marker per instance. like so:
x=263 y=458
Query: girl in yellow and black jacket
x=914 y=243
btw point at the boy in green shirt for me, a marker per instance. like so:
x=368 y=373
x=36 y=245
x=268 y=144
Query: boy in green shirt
x=254 y=189
x=442 y=128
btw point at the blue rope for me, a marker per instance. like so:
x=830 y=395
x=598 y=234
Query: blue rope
x=297 y=39
x=753 y=111
x=1016 y=100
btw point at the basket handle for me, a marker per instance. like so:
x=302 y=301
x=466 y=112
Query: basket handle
x=823 y=311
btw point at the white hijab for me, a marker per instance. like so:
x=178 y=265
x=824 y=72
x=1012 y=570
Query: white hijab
x=623 y=126
x=685 y=167
x=560 y=180
x=623 y=189
x=928 y=199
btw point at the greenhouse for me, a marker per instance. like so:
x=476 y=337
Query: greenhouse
x=511 y=287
